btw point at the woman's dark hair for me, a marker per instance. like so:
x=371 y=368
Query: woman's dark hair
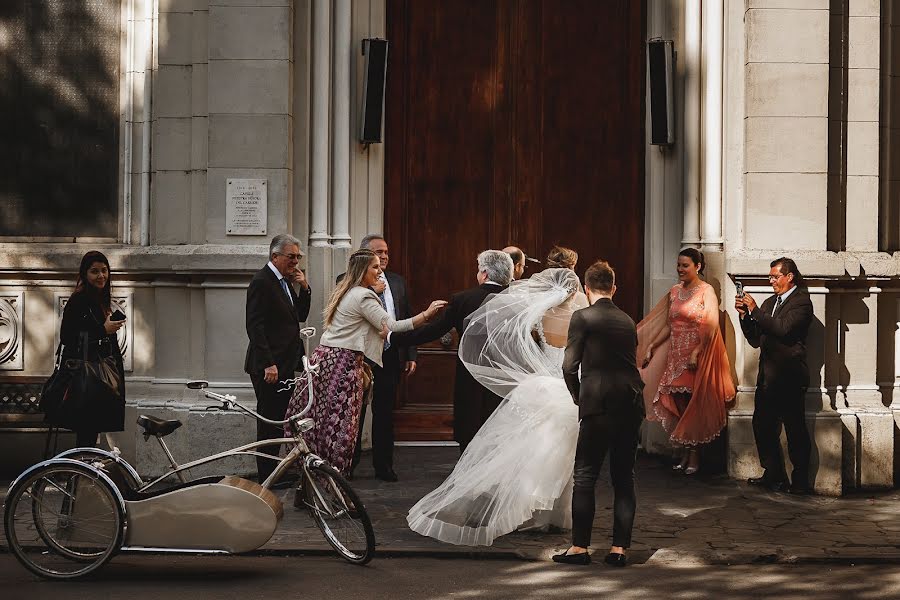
x=102 y=297
x=696 y=257
x=787 y=265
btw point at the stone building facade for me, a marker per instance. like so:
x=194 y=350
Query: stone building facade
x=785 y=145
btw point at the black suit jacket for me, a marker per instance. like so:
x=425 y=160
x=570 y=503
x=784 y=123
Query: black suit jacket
x=401 y=308
x=781 y=339
x=460 y=306
x=273 y=325
x=603 y=344
x=472 y=403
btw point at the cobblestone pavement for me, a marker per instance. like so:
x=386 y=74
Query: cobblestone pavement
x=680 y=520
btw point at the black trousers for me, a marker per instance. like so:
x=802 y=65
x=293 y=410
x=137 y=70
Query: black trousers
x=384 y=396
x=271 y=404
x=597 y=435
x=775 y=405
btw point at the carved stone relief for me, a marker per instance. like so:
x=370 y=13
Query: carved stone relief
x=11 y=332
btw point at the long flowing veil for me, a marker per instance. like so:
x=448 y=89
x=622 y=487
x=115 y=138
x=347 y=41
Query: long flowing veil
x=517 y=471
x=499 y=348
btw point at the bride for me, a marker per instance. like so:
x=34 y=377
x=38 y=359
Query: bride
x=517 y=471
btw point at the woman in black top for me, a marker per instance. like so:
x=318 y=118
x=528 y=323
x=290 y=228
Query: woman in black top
x=88 y=310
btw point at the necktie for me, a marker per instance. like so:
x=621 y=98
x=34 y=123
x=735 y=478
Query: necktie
x=381 y=297
x=284 y=286
x=778 y=302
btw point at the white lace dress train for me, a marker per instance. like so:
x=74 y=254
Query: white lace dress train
x=517 y=469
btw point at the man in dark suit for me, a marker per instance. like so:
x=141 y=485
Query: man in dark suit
x=602 y=345
x=396 y=360
x=472 y=403
x=274 y=314
x=779 y=328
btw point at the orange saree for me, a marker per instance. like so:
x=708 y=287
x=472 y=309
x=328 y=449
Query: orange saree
x=692 y=320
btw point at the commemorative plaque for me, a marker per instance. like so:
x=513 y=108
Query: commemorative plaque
x=245 y=206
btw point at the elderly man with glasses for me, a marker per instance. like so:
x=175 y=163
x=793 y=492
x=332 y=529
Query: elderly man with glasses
x=274 y=313
x=779 y=328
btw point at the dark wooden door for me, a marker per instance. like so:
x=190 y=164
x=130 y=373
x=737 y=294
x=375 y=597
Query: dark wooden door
x=509 y=122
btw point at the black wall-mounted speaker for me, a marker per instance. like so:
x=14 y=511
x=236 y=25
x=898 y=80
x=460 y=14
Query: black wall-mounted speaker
x=374 y=74
x=661 y=66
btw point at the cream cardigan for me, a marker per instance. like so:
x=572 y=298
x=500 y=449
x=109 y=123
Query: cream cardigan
x=357 y=324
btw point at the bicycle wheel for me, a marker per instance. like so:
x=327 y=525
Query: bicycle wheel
x=339 y=513
x=63 y=520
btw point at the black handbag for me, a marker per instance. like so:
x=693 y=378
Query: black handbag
x=80 y=388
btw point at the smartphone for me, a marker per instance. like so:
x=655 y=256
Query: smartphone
x=740 y=289
x=117 y=315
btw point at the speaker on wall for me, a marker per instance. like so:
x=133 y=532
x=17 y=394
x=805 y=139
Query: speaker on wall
x=376 y=51
x=661 y=59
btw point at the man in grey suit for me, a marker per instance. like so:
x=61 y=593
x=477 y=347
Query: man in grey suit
x=602 y=346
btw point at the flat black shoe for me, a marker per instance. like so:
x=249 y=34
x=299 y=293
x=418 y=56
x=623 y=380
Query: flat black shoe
x=800 y=490
x=760 y=481
x=616 y=559
x=583 y=558
x=386 y=475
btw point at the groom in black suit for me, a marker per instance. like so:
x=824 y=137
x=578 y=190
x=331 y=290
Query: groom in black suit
x=274 y=314
x=602 y=345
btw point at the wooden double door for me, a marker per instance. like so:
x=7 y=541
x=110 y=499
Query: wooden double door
x=509 y=122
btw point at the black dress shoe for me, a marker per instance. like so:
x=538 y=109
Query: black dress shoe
x=775 y=486
x=800 y=490
x=616 y=559
x=388 y=475
x=583 y=558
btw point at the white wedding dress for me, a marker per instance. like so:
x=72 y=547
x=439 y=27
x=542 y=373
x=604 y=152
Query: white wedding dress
x=517 y=471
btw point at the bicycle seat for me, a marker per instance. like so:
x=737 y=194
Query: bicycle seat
x=158 y=427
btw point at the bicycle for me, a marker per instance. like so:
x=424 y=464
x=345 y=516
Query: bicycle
x=68 y=516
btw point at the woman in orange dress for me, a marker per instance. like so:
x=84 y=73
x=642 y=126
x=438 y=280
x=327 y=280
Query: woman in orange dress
x=688 y=382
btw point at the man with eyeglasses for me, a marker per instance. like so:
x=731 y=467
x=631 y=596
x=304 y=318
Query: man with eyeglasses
x=778 y=328
x=274 y=313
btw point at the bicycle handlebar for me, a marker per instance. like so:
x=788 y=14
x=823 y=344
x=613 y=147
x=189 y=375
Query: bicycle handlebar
x=229 y=402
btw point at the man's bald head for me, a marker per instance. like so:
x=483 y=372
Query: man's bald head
x=518 y=258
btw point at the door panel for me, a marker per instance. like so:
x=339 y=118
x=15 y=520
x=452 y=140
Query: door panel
x=508 y=121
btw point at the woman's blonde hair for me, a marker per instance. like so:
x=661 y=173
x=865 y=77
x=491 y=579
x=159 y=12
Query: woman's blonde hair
x=356 y=269
x=561 y=258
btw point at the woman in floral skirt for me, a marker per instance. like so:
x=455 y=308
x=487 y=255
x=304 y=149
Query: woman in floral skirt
x=354 y=320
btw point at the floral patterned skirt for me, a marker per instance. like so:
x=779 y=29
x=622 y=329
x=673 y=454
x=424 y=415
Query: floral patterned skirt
x=338 y=395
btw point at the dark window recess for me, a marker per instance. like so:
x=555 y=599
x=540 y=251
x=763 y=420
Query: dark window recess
x=59 y=118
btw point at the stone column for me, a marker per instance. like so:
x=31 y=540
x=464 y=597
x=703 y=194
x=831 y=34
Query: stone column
x=692 y=17
x=340 y=162
x=321 y=69
x=711 y=210
x=786 y=125
x=863 y=69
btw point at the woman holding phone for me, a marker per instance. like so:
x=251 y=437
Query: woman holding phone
x=687 y=377
x=90 y=318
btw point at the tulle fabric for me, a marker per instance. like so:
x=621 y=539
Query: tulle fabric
x=517 y=470
x=712 y=388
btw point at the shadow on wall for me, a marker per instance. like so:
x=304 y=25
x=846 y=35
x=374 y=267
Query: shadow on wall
x=59 y=117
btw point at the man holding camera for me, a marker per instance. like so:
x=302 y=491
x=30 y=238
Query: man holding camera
x=778 y=328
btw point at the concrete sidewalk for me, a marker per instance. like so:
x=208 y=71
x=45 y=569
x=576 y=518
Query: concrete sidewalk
x=681 y=520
